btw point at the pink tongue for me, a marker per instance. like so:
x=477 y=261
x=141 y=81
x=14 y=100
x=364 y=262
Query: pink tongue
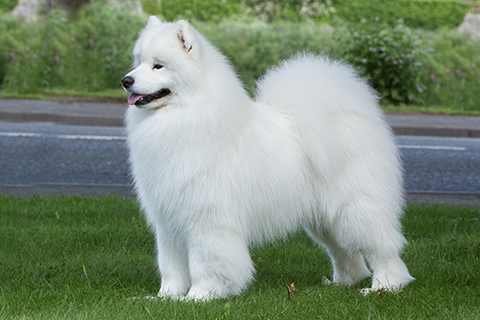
x=134 y=98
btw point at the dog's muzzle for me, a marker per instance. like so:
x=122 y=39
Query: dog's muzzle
x=141 y=99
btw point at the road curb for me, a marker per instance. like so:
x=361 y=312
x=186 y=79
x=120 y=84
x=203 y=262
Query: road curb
x=437 y=132
x=81 y=113
x=69 y=119
x=68 y=189
x=450 y=198
x=434 y=125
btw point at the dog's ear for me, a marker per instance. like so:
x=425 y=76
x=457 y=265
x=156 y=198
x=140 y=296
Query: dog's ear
x=153 y=21
x=185 y=34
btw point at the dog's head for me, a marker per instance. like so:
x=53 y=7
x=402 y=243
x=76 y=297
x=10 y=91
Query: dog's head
x=163 y=58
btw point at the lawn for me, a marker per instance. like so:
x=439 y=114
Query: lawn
x=87 y=258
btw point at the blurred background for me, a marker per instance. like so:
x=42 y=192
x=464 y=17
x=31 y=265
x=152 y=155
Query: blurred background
x=420 y=55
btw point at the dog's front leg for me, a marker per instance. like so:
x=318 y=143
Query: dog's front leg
x=173 y=264
x=219 y=262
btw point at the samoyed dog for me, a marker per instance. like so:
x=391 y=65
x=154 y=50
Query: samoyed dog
x=215 y=171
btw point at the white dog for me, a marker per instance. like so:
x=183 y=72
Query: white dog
x=216 y=171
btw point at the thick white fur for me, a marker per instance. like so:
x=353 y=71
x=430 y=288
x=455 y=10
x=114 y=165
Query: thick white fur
x=216 y=171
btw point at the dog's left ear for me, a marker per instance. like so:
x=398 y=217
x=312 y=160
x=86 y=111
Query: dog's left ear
x=153 y=21
x=185 y=35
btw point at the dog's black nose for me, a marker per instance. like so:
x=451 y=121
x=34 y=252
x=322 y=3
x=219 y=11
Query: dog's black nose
x=128 y=82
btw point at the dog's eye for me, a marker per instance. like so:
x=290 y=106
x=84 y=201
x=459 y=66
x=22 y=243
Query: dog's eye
x=157 y=66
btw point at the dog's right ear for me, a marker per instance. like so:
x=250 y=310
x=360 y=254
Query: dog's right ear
x=185 y=34
x=153 y=21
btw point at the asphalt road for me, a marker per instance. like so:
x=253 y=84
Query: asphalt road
x=39 y=158
x=46 y=158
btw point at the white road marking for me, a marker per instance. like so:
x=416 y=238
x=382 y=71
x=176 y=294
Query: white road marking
x=121 y=138
x=448 y=148
x=61 y=136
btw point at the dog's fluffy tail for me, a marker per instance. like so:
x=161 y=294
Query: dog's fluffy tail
x=310 y=82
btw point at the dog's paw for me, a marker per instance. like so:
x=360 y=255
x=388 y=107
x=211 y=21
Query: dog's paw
x=328 y=282
x=366 y=291
x=380 y=291
x=171 y=292
x=199 y=295
x=141 y=298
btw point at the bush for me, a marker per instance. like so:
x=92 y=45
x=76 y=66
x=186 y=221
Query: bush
x=200 y=10
x=254 y=47
x=89 y=53
x=152 y=7
x=7 y=5
x=289 y=10
x=92 y=52
x=452 y=73
x=390 y=57
x=270 y=10
x=426 y=14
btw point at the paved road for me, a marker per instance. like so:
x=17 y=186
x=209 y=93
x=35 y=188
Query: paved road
x=112 y=114
x=38 y=158
x=441 y=170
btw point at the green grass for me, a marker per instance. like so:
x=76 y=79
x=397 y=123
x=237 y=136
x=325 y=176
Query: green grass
x=85 y=257
x=109 y=95
x=432 y=110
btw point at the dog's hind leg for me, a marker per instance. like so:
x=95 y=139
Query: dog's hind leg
x=349 y=268
x=370 y=227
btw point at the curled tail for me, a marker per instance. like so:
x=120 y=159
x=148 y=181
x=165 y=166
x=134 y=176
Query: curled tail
x=308 y=81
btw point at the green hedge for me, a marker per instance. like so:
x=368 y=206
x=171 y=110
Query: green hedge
x=92 y=51
x=7 y=5
x=88 y=53
x=271 y=10
x=430 y=14
x=200 y=10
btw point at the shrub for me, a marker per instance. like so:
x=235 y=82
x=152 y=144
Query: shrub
x=270 y=10
x=152 y=7
x=254 y=47
x=288 y=10
x=18 y=63
x=390 y=57
x=92 y=52
x=200 y=10
x=7 y=5
x=88 y=53
x=452 y=74
x=427 y=14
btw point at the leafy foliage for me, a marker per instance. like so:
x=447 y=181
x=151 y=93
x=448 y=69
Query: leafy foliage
x=265 y=10
x=391 y=57
x=91 y=51
x=200 y=10
x=452 y=73
x=426 y=14
x=256 y=46
x=7 y=5
x=289 y=10
x=86 y=53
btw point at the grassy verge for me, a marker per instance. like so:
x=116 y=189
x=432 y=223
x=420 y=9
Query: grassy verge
x=109 y=95
x=432 y=110
x=120 y=96
x=85 y=257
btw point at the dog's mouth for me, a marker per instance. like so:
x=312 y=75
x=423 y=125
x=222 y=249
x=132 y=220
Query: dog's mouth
x=141 y=99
